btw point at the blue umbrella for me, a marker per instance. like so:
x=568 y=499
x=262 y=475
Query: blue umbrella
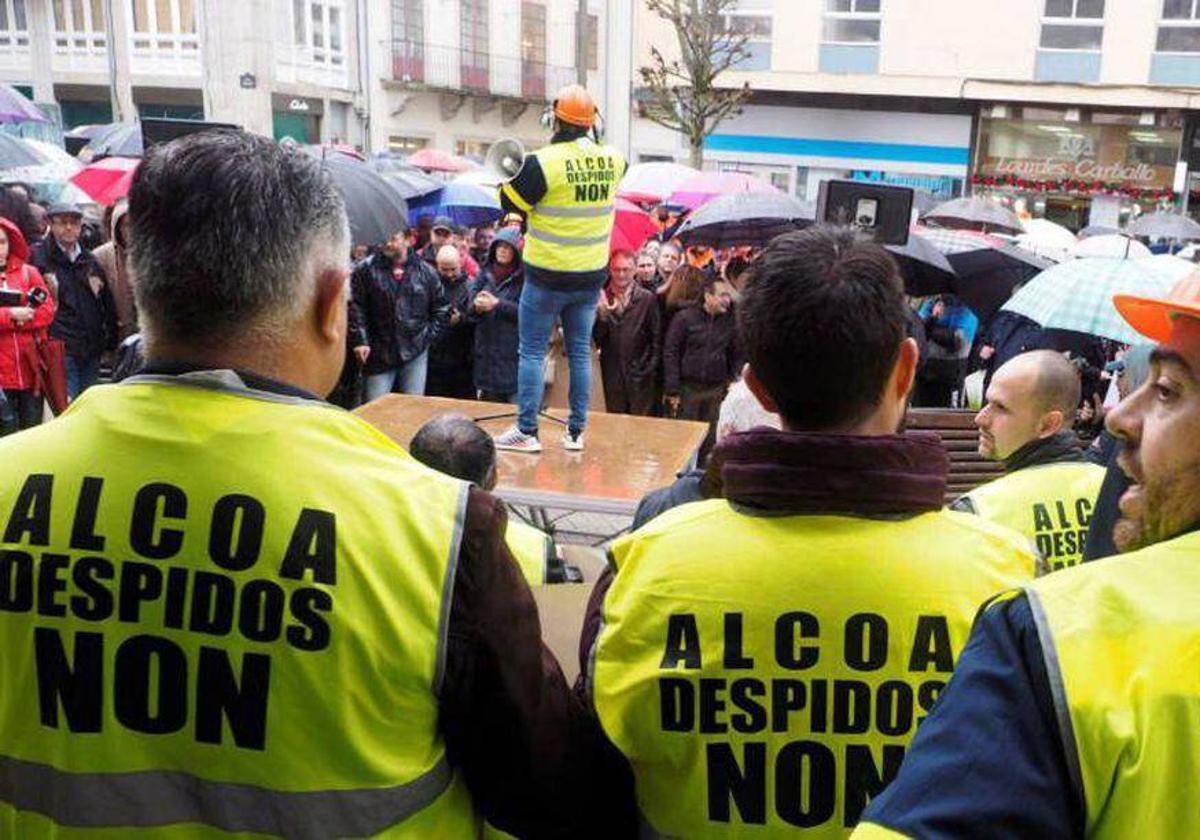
x=466 y=204
x=115 y=140
x=1078 y=295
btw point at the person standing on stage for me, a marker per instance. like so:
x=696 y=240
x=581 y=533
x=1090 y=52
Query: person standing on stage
x=567 y=190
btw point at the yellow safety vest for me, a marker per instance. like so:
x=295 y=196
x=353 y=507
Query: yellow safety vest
x=569 y=229
x=531 y=549
x=223 y=610
x=766 y=673
x=1051 y=505
x=1121 y=640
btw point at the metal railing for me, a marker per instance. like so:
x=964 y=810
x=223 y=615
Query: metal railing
x=440 y=67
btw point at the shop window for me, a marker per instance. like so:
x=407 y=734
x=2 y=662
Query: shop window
x=1073 y=25
x=474 y=41
x=473 y=149
x=406 y=145
x=408 y=40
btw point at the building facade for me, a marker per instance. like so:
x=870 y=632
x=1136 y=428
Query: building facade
x=1076 y=110
x=378 y=74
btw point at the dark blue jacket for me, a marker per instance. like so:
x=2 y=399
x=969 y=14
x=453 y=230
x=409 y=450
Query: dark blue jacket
x=496 y=335
x=85 y=321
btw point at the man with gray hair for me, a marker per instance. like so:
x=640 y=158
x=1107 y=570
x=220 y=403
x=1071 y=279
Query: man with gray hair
x=255 y=613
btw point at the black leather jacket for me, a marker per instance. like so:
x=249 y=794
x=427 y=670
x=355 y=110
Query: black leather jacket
x=401 y=318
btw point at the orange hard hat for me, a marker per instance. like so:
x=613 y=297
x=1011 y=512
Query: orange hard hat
x=574 y=105
x=1154 y=317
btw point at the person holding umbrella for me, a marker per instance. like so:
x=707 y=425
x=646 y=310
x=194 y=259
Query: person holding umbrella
x=403 y=310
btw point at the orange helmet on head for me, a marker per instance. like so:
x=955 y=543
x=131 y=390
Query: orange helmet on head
x=574 y=105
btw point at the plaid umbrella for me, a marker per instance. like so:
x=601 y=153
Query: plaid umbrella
x=744 y=218
x=1078 y=295
x=988 y=268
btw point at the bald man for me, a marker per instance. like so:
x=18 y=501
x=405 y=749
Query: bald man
x=452 y=356
x=1048 y=490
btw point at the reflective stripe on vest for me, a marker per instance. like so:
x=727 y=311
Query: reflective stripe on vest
x=530 y=548
x=1051 y=505
x=766 y=673
x=226 y=562
x=160 y=798
x=570 y=227
x=1119 y=640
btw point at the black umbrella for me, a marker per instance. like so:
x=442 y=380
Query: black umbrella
x=744 y=218
x=925 y=269
x=14 y=154
x=410 y=181
x=375 y=207
x=987 y=268
x=115 y=140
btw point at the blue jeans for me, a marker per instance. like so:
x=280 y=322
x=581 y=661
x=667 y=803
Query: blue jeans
x=410 y=377
x=81 y=374
x=535 y=321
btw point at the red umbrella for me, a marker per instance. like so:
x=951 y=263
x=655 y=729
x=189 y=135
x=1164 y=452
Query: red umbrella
x=435 y=160
x=107 y=180
x=705 y=186
x=632 y=228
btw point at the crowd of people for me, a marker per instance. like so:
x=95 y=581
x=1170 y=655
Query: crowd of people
x=302 y=629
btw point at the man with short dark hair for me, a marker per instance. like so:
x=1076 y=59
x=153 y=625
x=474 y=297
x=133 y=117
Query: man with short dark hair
x=440 y=235
x=762 y=660
x=455 y=445
x=628 y=332
x=262 y=617
x=86 y=320
x=1072 y=712
x=403 y=310
x=1049 y=488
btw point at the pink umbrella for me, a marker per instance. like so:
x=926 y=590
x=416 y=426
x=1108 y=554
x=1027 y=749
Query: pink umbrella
x=706 y=186
x=107 y=180
x=632 y=228
x=435 y=160
x=651 y=183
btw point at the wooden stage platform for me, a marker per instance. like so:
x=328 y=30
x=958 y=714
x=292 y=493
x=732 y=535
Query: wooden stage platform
x=625 y=457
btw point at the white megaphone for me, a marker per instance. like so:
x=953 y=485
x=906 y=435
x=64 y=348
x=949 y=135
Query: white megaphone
x=505 y=159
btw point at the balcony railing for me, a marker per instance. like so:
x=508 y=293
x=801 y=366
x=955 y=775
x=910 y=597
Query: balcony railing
x=438 y=67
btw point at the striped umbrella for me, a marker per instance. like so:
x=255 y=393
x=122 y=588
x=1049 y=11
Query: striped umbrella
x=1078 y=295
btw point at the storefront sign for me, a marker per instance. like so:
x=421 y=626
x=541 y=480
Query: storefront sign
x=1085 y=169
x=298 y=105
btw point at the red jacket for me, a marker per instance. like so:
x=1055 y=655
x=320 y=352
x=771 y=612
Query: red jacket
x=16 y=341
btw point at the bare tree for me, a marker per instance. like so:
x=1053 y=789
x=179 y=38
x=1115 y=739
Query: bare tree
x=681 y=94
